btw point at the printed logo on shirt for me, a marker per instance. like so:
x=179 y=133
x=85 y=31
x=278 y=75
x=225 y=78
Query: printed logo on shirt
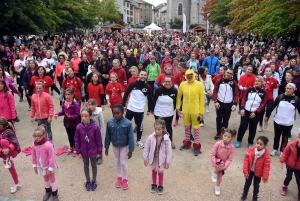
x=172 y=95
x=230 y=82
x=144 y=90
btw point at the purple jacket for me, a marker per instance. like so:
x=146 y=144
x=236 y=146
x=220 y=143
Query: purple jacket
x=26 y=79
x=165 y=152
x=88 y=140
x=10 y=85
x=74 y=111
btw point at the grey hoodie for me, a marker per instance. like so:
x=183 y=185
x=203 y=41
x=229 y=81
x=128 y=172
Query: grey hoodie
x=99 y=120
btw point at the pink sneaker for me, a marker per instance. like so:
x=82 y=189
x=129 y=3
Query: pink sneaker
x=283 y=190
x=118 y=182
x=175 y=123
x=125 y=184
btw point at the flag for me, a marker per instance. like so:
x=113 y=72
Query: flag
x=184 y=23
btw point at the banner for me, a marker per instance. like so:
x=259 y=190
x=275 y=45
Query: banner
x=184 y=23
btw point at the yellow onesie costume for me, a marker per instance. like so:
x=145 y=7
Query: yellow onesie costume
x=193 y=105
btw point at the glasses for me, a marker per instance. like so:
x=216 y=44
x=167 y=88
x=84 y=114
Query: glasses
x=229 y=73
x=37 y=136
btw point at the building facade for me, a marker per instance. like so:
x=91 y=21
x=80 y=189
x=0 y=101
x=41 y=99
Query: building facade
x=160 y=15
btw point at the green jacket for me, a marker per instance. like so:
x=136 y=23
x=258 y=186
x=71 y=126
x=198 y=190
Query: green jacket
x=153 y=70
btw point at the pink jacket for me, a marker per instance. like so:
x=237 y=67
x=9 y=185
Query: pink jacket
x=43 y=156
x=165 y=152
x=41 y=106
x=7 y=105
x=222 y=151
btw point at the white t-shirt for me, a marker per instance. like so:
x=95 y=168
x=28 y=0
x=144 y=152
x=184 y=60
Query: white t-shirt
x=49 y=62
x=19 y=65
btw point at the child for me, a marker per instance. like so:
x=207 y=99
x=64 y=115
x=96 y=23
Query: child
x=95 y=89
x=114 y=91
x=157 y=154
x=9 y=147
x=99 y=120
x=256 y=166
x=71 y=112
x=119 y=132
x=290 y=156
x=43 y=161
x=42 y=108
x=221 y=156
x=7 y=104
x=88 y=144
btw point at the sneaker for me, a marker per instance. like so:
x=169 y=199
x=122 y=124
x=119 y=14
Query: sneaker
x=15 y=188
x=243 y=198
x=118 y=182
x=74 y=153
x=259 y=128
x=21 y=99
x=217 y=190
x=88 y=185
x=283 y=190
x=175 y=123
x=153 y=188
x=249 y=145
x=218 y=136
x=29 y=109
x=273 y=153
x=255 y=198
x=125 y=184
x=160 y=190
x=94 y=185
x=99 y=160
x=7 y=163
x=238 y=144
x=214 y=177
x=202 y=123
x=70 y=151
x=173 y=145
x=266 y=125
x=140 y=144
x=207 y=109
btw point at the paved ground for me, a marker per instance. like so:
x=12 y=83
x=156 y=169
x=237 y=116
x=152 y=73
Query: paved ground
x=187 y=179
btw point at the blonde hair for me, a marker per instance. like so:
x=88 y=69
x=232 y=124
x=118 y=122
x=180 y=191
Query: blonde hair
x=41 y=128
x=40 y=84
x=260 y=78
x=134 y=68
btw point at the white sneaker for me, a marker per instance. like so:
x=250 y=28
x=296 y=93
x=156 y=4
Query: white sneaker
x=201 y=124
x=7 y=163
x=15 y=188
x=266 y=125
x=29 y=109
x=140 y=144
x=207 y=109
x=217 y=190
x=273 y=153
x=259 y=128
x=214 y=177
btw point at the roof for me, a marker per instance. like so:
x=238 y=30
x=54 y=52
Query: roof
x=144 y=2
x=114 y=26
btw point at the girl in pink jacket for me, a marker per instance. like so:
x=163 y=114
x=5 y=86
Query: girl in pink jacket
x=43 y=161
x=7 y=103
x=221 y=156
x=157 y=154
x=42 y=108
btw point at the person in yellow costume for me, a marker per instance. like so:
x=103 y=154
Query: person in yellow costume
x=192 y=109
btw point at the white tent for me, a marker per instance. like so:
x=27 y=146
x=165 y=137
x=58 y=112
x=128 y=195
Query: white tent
x=152 y=27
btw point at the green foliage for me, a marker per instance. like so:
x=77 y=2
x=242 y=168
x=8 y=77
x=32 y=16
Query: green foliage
x=34 y=16
x=220 y=13
x=176 y=24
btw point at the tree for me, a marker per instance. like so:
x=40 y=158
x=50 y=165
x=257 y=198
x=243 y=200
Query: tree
x=219 y=15
x=176 y=24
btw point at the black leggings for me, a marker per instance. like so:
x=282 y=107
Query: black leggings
x=168 y=121
x=71 y=134
x=256 y=182
x=281 y=130
x=28 y=100
x=54 y=87
x=245 y=121
x=87 y=170
x=223 y=116
x=289 y=176
x=268 y=106
x=138 y=119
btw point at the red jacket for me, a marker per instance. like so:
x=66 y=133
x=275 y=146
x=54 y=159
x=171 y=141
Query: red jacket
x=216 y=78
x=7 y=105
x=121 y=75
x=47 y=83
x=262 y=166
x=161 y=78
x=42 y=106
x=164 y=63
x=246 y=81
x=75 y=84
x=289 y=155
x=179 y=77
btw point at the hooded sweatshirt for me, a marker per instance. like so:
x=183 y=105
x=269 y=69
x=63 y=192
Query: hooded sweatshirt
x=99 y=120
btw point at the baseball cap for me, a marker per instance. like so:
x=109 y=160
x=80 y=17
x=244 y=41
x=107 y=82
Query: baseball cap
x=297 y=68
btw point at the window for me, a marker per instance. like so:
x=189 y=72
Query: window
x=131 y=13
x=180 y=9
x=127 y=4
x=127 y=12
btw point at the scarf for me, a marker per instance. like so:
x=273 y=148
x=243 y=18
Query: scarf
x=258 y=154
x=142 y=58
x=43 y=141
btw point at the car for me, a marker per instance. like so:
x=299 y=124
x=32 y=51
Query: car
x=140 y=26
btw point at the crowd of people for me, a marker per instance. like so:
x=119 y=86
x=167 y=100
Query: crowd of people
x=166 y=74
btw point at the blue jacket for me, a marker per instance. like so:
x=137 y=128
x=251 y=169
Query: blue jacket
x=211 y=63
x=88 y=140
x=195 y=68
x=119 y=133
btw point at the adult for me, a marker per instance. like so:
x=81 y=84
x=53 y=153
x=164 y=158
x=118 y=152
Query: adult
x=26 y=80
x=40 y=76
x=284 y=117
x=225 y=97
x=296 y=79
x=75 y=61
x=82 y=68
x=120 y=72
x=140 y=92
x=131 y=59
x=291 y=67
x=153 y=71
x=104 y=69
x=18 y=67
x=192 y=112
x=211 y=62
x=246 y=81
x=60 y=66
x=252 y=103
x=167 y=61
x=164 y=104
x=11 y=87
x=161 y=78
x=206 y=80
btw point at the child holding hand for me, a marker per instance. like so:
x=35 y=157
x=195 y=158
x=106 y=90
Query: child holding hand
x=221 y=156
x=256 y=166
x=158 y=154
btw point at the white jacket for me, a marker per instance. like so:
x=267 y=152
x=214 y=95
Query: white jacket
x=208 y=84
x=99 y=120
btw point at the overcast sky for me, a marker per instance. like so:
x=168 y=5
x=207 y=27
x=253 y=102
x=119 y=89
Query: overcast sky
x=156 y=2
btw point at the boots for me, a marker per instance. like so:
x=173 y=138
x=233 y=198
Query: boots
x=55 y=196
x=48 y=194
x=186 y=144
x=197 y=148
